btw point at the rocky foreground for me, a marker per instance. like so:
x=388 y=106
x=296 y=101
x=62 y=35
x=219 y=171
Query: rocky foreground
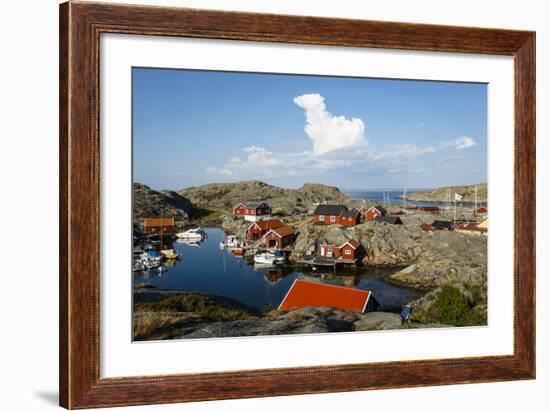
x=162 y=314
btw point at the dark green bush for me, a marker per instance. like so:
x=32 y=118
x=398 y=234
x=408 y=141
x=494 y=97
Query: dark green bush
x=452 y=307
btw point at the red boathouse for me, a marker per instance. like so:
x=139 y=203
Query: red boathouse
x=311 y=294
x=260 y=228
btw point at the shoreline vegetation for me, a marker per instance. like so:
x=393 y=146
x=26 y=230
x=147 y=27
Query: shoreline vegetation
x=450 y=268
x=167 y=314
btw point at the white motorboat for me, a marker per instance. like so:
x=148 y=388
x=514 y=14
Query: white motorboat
x=232 y=241
x=145 y=264
x=264 y=259
x=192 y=234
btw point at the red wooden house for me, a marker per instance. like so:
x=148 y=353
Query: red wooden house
x=328 y=213
x=350 y=217
x=238 y=210
x=374 y=212
x=336 y=214
x=350 y=250
x=279 y=237
x=311 y=294
x=329 y=250
x=260 y=228
x=158 y=225
x=252 y=211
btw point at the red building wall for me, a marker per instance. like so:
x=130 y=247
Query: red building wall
x=278 y=241
x=327 y=219
x=239 y=210
x=350 y=221
x=325 y=249
x=273 y=237
x=344 y=251
x=372 y=214
x=255 y=230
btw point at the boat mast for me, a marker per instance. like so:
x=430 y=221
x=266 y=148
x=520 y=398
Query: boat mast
x=475 y=201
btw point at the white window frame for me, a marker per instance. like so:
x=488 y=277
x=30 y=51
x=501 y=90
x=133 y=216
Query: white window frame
x=332 y=218
x=347 y=252
x=321 y=218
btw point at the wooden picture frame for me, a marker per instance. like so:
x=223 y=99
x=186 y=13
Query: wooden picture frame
x=80 y=27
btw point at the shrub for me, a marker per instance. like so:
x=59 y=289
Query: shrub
x=452 y=307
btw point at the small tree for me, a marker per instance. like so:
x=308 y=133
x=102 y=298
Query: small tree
x=452 y=307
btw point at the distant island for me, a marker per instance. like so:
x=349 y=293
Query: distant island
x=443 y=194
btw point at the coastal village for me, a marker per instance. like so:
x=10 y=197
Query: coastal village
x=325 y=236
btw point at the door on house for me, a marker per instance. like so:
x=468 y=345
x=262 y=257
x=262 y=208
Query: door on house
x=255 y=236
x=272 y=243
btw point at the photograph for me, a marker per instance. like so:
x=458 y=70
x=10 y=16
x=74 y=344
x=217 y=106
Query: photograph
x=273 y=204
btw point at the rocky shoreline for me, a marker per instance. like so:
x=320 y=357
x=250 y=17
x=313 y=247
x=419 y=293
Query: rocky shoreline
x=444 y=265
x=164 y=314
x=441 y=194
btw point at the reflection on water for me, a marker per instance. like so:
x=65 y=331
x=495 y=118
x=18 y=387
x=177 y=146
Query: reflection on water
x=205 y=268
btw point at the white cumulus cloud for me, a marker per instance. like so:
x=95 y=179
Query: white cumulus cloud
x=463 y=142
x=329 y=132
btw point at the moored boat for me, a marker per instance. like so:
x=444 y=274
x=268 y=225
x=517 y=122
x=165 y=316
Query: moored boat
x=232 y=241
x=264 y=259
x=192 y=234
x=170 y=254
x=239 y=251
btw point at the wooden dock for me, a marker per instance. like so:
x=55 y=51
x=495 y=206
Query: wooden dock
x=316 y=261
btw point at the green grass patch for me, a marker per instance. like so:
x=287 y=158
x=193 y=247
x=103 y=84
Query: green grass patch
x=208 y=214
x=200 y=305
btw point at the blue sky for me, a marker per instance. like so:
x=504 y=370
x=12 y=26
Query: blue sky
x=197 y=127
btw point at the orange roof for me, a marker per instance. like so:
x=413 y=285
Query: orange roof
x=283 y=230
x=158 y=222
x=309 y=294
x=268 y=224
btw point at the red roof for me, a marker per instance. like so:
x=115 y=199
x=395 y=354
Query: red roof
x=309 y=294
x=354 y=244
x=282 y=231
x=268 y=224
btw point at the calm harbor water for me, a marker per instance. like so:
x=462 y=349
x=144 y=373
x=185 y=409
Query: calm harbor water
x=208 y=269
